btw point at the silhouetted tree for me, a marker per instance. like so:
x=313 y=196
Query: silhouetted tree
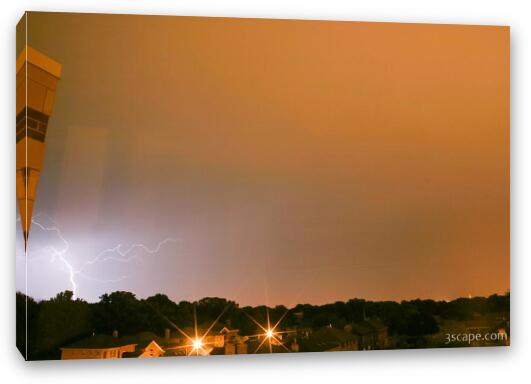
x=62 y=319
x=27 y=314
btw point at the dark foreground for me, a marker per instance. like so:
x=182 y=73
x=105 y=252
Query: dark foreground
x=120 y=325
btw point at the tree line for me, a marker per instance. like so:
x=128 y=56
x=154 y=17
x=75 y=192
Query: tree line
x=62 y=319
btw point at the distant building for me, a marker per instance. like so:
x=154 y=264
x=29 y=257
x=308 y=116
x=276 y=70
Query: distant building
x=235 y=344
x=152 y=349
x=235 y=349
x=182 y=344
x=259 y=347
x=98 y=347
x=230 y=335
x=364 y=335
x=294 y=346
x=328 y=339
x=495 y=325
x=220 y=340
x=301 y=332
x=142 y=345
x=381 y=334
x=371 y=334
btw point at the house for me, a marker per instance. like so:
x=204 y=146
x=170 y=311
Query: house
x=152 y=350
x=371 y=334
x=229 y=335
x=300 y=333
x=97 y=347
x=236 y=348
x=380 y=335
x=255 y=346
x=329 y=339
x=182 y=341
x=234 y=343
x=145 y=344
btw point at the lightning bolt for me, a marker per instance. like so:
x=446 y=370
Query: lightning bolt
x=60 y=253
x=123 y=254
x=117 y=253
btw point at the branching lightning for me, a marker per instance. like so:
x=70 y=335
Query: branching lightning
x=123 y=255
x=117 y=253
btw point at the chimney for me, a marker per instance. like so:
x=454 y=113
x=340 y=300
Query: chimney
x=115 y=334
x=295 y=346
x=167 y=334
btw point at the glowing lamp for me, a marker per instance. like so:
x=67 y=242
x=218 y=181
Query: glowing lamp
x=197 y=344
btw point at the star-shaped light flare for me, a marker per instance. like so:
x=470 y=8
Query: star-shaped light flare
x=270 y=334
x=196 y=343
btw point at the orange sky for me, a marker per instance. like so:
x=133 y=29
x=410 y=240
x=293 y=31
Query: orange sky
x=336 y=159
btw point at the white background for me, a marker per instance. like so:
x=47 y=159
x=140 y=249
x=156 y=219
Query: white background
x=459 y=365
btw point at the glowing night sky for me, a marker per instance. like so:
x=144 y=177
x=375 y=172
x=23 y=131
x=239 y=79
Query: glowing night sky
x=276 y=161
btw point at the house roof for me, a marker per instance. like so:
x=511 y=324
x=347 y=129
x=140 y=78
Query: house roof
x=140 y=350
x=99 y=342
